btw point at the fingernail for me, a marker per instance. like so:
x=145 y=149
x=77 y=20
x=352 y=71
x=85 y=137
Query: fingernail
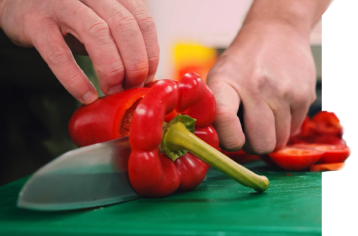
x=90 y=97
x=115 y=89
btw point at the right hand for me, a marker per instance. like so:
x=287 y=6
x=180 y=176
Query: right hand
x=119 y=36
x=268 y=70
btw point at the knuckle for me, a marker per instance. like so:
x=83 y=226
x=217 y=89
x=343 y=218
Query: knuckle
x=99 y=31
x=112 y=68
x=300 y=98
x=304 y=98
x=139 y=67
x=146 y=24
x=59 y=56
x=154 y=59
x=225 y=70
x=283 y=90
x=224 y=113
x=124 y=22
x=73 y=79
x=260 y=82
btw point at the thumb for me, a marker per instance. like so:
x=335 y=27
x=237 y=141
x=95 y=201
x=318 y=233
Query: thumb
x=226 y=123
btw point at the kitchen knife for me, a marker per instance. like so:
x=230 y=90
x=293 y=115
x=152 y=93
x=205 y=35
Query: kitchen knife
x=90 y=176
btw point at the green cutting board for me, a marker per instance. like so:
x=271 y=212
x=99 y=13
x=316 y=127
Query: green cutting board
x=291 y=206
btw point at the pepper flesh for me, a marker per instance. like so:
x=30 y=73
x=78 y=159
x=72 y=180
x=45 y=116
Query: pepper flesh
x=101 y=121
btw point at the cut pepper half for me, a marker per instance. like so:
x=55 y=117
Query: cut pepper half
x=295 y=159
x=332 y=153
x=327 y=167
x=101 y=121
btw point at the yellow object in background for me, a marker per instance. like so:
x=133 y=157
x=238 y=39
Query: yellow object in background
x=193 y=58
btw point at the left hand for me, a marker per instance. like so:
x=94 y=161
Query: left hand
x=119 y=36
x=270 y=71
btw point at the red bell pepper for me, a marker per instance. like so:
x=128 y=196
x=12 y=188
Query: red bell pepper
x=324 y=127
x=106 y=119
x=151 y=172
x=327 y=167
x=295 y=159
x=321 y=133
x=327 y=123
x=301 y=156
x=332 y=153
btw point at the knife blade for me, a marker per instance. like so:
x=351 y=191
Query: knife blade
x=90 y=176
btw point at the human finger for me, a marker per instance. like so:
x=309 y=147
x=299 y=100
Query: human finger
x=259 y=127
x=50 y=44
x=298 y=113
x=95 y=34
x=227 y=123
x=124 y=29
x=282 y=116
x=149 y=33
x=301 y=102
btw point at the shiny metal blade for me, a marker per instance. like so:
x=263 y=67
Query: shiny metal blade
x=91 y=176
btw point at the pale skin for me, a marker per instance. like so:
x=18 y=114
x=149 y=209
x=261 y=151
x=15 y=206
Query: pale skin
x=268 y=69
x=119 y=36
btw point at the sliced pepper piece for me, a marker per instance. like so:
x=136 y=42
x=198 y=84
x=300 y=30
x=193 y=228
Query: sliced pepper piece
x=324 y=127
x=327 y=123
x=327 y=167
x=332 y=153
x=295 y=159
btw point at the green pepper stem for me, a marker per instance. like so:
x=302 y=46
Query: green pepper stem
x=177 y=137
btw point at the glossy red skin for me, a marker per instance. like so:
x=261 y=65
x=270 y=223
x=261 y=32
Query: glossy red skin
x=149 y=172
x=100 y=121
x=328 y=139
x=191 y=169
x=327 y=123
x=295 y=159
x=195 y=92
x=327 y=167
x=323 y=128
x=321 y=133
x=332 y=153
x=328 y=118
x=308 y=127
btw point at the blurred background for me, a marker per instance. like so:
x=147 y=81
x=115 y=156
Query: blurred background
x=36 y=108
